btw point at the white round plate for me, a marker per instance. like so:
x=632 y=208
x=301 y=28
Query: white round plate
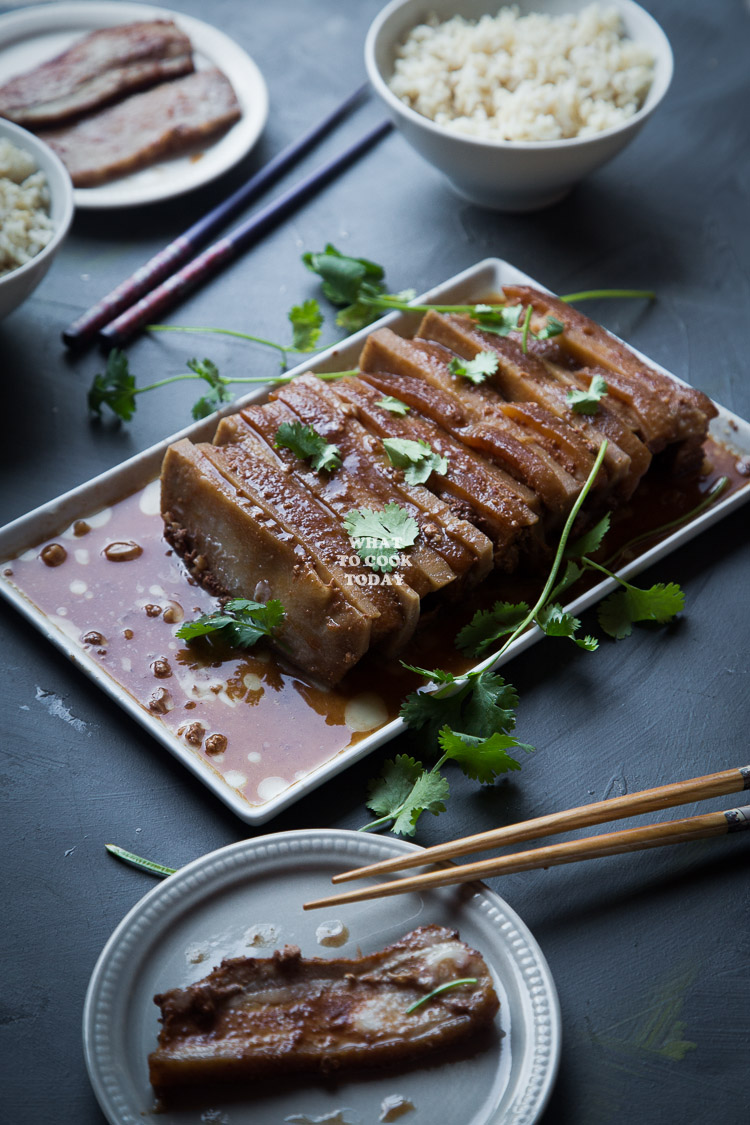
x=36 y=34
x=187 y=924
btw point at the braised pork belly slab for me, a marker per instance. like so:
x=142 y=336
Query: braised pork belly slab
x=256 y=521
x=252 y=1018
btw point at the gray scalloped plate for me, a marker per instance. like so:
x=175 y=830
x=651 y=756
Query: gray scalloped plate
x=205 y=911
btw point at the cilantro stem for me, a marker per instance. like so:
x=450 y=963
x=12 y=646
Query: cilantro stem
x=595 y=294
x=713 y=494
x=139 y=862
x=525 y=330
x=284 y=349
x=436 y=992
x=541 y=600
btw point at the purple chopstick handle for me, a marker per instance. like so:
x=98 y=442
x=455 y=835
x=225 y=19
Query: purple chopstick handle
x=178 y=251
x=211 y=260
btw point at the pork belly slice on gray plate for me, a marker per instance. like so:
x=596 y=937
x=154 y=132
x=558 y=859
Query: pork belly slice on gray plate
x=253 y=1018
x=467 y=550
x=341 y=491
x=523 y=377
x=102 y=66
x=668 y=413
x=418 y=374
x=144 y=128
x=236 y=542
x=471 y=486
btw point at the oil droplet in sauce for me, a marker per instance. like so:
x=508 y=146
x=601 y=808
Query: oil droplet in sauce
x=54 y=554
x=394 y=1106
x=123 y=550
x=333 y=933
x=365 y=712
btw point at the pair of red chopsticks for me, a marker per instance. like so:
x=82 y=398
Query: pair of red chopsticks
x=154 y=288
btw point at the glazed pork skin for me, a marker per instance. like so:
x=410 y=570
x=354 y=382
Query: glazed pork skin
x=96 y=70
x=145 y=128
x=254 y=1018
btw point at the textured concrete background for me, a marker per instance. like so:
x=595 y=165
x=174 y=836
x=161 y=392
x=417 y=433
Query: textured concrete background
x=649 y=952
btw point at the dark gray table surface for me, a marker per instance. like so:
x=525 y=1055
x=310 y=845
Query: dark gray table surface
x=649 y=952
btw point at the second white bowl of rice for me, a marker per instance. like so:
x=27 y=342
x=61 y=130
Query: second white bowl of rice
x=516 y=104
x=36 y=210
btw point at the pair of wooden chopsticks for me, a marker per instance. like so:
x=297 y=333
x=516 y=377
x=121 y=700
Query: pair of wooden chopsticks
x=154 y=288
x=592 y=847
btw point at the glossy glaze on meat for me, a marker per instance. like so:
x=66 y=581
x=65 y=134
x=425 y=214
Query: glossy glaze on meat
x=257 y=1017
x=103 y=66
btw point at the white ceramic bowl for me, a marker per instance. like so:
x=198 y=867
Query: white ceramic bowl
x=508 y=175
x=16 y=286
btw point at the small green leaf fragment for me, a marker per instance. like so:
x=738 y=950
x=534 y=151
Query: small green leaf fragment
x=590 y=541
x=587 y=402
x=437 y=991
x=139 y=862
x=404 y=791
x=217 y=393
x=499 y=320
x=481 y=759
x=416 y=458
x=241 y=623
x=306 y=320
x=342 y=276
x=488 y=625
x=476 y=370
x=552 y=327
x=393 y=405
x=307 y=444
x=378 y=534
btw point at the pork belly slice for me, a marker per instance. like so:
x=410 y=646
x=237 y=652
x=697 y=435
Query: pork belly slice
x=394 y=609
x=467 y=550
x=523 y=377
x=669 y=413
x=418 y=374
x=254 y=1018
x=421 y=568
x=471 y=485
x=144 y=128
x=95 y=70
x=235 y=547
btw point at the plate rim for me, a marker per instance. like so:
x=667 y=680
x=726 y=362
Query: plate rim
x=143 y=467
x=540 y=1068
x=35 y=18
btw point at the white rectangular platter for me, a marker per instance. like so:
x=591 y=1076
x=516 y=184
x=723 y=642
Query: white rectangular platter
x=273 y=785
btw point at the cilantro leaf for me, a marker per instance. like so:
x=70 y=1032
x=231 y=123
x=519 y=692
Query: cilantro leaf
x=217 y=392
x=404 y=791
x=115 y=388
x=341 y=275
x=589 y=542
x=393 y=405
x=437 y=675
x=482 y=705
x=620 y=610
x=378 y=535
x=476 y=369
x=307 y=444
x=552 y=327
x=306 y=320
x=416 y=458
x=488 y=625
x=240 y=623
x=587 y=402
x=555 y=622
x=500 y=320
x=481 y=759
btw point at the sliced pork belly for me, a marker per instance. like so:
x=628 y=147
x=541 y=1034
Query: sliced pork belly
x=467 y=550
x=471 y=485
x=418 y=374
x=145 y=128
x=421 y=567
x=235 y=547
x=97 y=69
x=669 y=413
x=254 y=1018
x=522 y=377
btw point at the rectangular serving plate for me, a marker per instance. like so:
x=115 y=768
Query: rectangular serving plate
x=50 y=519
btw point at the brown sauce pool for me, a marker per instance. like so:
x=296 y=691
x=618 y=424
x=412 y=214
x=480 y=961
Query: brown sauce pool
x=117 y=589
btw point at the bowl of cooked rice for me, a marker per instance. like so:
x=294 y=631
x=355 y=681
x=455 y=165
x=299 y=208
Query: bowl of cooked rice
x=517 y=104
x=36 y=209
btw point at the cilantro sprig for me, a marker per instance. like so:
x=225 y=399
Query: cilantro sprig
x=416 y=458
x=393 y=405
x=241 y=623
x=476 y=370
x=587 y=401
x=307 y=444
